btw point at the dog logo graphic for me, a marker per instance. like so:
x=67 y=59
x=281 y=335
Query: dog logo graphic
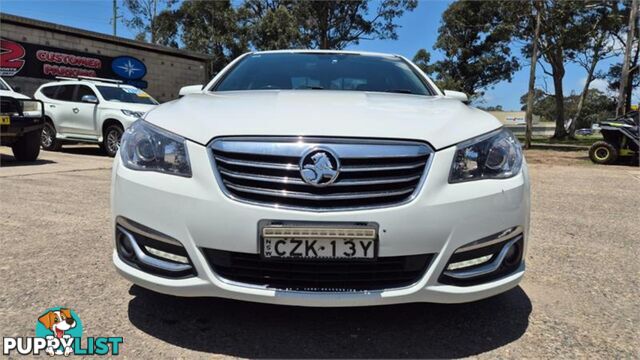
x=59 y=323
x=319 y=167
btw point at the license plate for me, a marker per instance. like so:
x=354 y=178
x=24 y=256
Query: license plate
x=319 y=243
x=5 y=120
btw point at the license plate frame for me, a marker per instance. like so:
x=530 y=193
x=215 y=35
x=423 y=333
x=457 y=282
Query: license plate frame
x=360 y=227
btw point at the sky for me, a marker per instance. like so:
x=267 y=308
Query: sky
x=418 y=29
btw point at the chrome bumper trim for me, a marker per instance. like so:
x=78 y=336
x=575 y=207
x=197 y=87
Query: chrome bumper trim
x=484 y=269
x=151 y=261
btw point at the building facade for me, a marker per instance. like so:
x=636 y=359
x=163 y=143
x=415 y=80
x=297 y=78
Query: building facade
x=34 y=52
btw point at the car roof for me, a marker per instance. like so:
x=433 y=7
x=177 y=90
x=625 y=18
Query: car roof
x=314 y=51
x=84 y=82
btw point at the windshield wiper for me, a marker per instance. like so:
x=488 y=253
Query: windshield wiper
x=399 y=91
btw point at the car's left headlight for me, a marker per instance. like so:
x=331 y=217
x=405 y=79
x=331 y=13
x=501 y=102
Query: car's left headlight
x=497 y=155
x=149 y=148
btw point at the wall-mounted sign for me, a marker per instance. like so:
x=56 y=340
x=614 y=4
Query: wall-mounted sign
x=39 y=61
x=128 y=67
x=11 y=57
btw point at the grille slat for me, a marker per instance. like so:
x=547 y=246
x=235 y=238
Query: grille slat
x=319 y=275
x=372 y=173
x=366 y=168
x=290 y=180
x=323 y=197
x=257 y=164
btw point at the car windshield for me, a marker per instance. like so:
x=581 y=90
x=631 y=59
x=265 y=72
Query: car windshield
x=316 y=71
x=126 y=94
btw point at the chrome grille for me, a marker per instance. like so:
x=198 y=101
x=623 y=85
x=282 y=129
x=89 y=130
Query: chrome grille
x=373 y=173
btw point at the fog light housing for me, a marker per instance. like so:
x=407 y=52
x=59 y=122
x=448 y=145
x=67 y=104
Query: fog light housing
x=485 y=259
x=151 y=251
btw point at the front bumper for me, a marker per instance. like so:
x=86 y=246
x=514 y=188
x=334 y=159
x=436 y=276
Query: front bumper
x=442 y=218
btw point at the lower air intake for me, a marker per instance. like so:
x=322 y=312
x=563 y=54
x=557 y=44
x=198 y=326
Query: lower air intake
x=319 y=275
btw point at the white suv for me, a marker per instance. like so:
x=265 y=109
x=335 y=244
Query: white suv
x=90 y=110
x=321 y=178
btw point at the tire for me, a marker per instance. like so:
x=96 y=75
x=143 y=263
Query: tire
x=48 y=138
x=27 y=148
x=111 y=139
x=601 y=152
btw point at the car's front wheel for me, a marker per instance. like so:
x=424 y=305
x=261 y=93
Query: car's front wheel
x=48 y=138
x=111 y=140
x=27 y=148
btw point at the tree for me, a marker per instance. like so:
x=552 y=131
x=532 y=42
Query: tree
x=615 y=73
x=211 y=27
x=278 y=24
x=597 y=106
x=166 y=25
x=271 y=24
x=624 y=96
x=598 y=46
x=565 y=29
x=532 y=77
x=336 y=24
x=422 y=59
x=475 y=38
x=143 y=17
x=543 y=104
x=491 y=108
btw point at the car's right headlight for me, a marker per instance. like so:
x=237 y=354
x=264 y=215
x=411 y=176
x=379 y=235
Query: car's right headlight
x=497 y=155
x=149 y=148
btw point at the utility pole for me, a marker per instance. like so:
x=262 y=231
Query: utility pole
x=115 y=18
x=532 y=78
x=621 y=109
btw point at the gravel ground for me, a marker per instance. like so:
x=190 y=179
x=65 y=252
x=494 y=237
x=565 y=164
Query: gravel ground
x=580 y=297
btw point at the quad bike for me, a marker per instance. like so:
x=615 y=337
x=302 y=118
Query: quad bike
x=621 y=139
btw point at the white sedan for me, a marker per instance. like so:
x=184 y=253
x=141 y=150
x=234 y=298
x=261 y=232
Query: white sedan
x=321 y=178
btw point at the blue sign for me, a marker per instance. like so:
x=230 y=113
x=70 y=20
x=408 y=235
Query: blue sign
x=128 y=67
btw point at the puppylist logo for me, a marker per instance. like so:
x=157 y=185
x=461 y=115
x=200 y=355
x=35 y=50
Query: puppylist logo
x=59 y=332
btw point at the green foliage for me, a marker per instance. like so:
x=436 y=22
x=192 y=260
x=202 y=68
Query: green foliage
x=166 y=25
x=211 y=27
x=143 y=18
x=475 y=37
x=271 y=25
x=281 y=24
x=225 y=31
x=422 y=59
x=568 y=29
x=597 y=107
x=490 y=108
x=336 y=24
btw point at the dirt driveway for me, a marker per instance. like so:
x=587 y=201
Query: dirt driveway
x=580 y=296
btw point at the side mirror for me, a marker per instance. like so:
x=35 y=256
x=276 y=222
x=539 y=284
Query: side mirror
x=191 y=89
x=89 y=99
x=458 y=95
x=17 y=89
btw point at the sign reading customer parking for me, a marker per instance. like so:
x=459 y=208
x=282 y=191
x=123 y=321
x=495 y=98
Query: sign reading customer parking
x=45 y=62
